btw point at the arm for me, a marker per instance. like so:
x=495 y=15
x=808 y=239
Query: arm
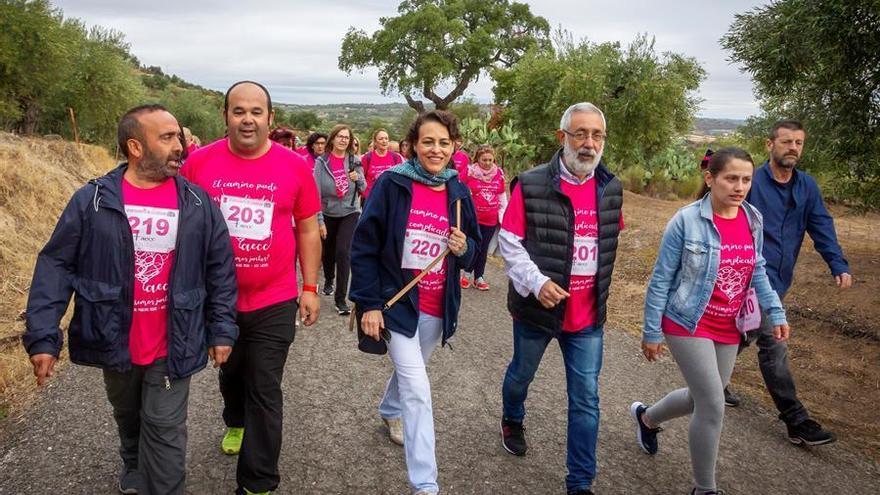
x=502 y=202
x=366 y=249
x=50 y=292
x=665 y=269
x=768 y=299
x=220 y=283
x=820 y=226
x=360 y=182
x=52 y=284
x=522 y=271
x=319 y=171
x=308 y=240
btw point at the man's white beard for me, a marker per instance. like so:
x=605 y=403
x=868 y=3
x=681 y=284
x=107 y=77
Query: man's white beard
x=580 y=162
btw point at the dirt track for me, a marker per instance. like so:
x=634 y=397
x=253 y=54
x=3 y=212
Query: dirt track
x=334 y=444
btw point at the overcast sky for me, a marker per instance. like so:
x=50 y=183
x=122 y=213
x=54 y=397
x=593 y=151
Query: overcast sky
x=292 y=46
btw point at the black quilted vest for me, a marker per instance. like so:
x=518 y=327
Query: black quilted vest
x=550 y=240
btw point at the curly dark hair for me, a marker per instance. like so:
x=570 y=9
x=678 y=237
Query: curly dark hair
x=313 y=138
x=442 y=117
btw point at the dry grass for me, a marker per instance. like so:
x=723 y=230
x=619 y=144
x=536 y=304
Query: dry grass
x=37 y=178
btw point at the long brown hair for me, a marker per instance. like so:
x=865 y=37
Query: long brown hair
x=720 y=159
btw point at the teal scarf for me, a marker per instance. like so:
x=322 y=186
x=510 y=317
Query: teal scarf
x=413 y=169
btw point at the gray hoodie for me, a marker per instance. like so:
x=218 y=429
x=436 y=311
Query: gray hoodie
x=331 y=204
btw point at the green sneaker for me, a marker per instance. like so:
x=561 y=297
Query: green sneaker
x=231 y=443
x=248 y=492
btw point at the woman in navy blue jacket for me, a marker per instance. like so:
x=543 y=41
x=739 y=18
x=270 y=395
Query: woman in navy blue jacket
x=408 y=220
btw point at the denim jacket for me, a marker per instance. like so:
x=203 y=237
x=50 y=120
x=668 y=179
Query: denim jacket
x=687 y=266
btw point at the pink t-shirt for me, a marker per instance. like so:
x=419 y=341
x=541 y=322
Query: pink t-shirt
x=340 y=174
x=427 y=233
x=718 y=322
x=461 y=160
x=153 y=218
x=487 y=197
x=375 y=165
x=260 y=199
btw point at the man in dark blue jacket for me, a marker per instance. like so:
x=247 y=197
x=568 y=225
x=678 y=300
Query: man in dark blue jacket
x=148 y=256
x=791 y=204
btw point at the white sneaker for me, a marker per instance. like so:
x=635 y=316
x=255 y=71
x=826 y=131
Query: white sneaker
x=395 y=429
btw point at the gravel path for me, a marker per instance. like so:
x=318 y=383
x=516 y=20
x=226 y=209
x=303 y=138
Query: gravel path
x=334 y=442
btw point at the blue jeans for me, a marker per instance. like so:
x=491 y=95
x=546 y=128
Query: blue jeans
x=582 y=354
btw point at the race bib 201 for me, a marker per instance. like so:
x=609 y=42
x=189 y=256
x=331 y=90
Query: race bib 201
x=585 y=257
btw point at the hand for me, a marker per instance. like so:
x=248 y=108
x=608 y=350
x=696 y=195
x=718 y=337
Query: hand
x=457 y=242
x=372 y=324
x=219 y=354
x=309 y=308
x=353 y=176
x=44 y=367
x=652 y=351
x=844 y=281
x=781 y=332
x=322 y=229
x=551 y=294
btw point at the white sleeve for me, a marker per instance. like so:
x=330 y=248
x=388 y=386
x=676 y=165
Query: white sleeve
x=522 y=271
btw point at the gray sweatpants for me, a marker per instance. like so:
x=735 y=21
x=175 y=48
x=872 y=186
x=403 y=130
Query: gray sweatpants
x=706 y=366
x=150 y=415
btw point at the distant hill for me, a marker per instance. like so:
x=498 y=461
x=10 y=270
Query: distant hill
x=714 y=127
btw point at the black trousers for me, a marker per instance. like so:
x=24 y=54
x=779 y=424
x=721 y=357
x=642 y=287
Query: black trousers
x=150 y=414
x=250 y=382
x=773 y=361
x=336 y=254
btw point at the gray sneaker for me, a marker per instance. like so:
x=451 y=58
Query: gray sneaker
x=129 y=481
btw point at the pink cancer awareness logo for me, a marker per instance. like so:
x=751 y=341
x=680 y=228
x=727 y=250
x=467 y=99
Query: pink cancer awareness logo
x=147 y=265
x=731 y=281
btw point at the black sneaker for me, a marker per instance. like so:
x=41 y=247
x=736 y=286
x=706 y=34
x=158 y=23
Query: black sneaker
x=809 y=432
x=646 y=437
x=129 y=481
x=582 y=492
x=730 y=400
x=343 y=309
x=327 y=290
x=513 y=437
x=717 y=492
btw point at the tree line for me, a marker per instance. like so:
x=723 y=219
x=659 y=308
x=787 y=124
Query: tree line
x=817 y=61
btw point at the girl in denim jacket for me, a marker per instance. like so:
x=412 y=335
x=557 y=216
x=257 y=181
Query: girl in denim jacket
x=708 y=281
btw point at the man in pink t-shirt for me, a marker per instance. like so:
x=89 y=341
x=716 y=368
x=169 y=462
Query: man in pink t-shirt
x=148 y=258
x=262 y=189
x=558 y=239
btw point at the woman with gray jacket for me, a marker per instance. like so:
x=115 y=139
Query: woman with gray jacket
x=340 y=180
x=707 y=284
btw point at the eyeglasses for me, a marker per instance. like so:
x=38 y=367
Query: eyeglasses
x=340 y=136
x=581 y=136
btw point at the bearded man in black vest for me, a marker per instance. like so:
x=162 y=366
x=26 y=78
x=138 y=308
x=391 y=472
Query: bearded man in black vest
x=559 y=242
